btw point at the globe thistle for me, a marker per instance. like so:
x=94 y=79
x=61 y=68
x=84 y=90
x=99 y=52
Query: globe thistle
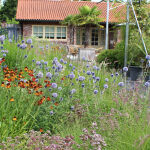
x=59 y=88
x=2 y=38
x=70 y=65
x=117 y=74
x=54 y=85
x=33 y=60
x=72 y=91
x=97 y=79
x=10 y=40
x=45 y=63
x=112 y=75
x=40 y=74
x=95 y=91
x=61 y=60
x=4 y=55
x=54 y=95
x=72 y=76
x=147 y=84
x=95 y=67
x=65 y=62
x=23 y=46
x=22 y=41
x=25 y=56
x=106 y=79
x=83 y=58
x=82 y=85
x=29 y=41
x=125 y=69
x=48 y=75
x=148 y=57
x=88 y=72
x=72 y=107
x=32 y=46
x=81 y=78
x=38 y=63
x=51 y=112
x=105 y=86
x=121 y=84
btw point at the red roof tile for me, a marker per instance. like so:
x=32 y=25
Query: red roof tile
x=57 y=10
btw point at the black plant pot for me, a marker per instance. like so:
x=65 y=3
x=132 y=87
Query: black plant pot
x=135 y=72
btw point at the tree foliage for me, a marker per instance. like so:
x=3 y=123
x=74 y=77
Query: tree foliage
x=8 y=10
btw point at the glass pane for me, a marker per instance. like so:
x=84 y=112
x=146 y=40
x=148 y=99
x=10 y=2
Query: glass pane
x=52 y=35
x=35 y=34
x=58 y=35
x=40 y=35
x=58 y=29
x=51 y=29
x=35 y=29
x=64 y=35
x=46 y=29
x=40 y=29
x=78 y=37
x=64 y=29
x=47 y=35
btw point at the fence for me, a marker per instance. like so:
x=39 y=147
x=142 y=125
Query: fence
x=11 y=31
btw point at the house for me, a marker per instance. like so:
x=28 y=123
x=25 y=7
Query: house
x=42 y=18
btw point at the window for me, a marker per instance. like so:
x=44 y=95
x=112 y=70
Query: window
x=78 y=36
x=61 y=32
x=83 y=36
x=50 y=32
x=38 y=31
x=94 y=37
x=102 y=40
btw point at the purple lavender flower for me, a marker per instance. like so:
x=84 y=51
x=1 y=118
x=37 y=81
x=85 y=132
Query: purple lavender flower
x=54 y=85
x=54 y=95
x=48 y=75
x=121 y=84
x=105 y=86
x=148 y=57
x=40 y=74
x=29 y=41
x=72 y=91
x=88 y=72
x=125 y=69
x=95 y=91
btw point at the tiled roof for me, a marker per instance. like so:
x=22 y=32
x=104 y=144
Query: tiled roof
x=50 y=10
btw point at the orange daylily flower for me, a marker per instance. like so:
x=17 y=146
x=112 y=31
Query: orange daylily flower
x=14 y=119
x=2 y=85
x=41 y=130
x=56 y=104
x=51 y=107
x=12 y=99
x=48 y=99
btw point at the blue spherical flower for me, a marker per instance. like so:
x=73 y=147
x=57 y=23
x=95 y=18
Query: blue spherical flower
x=29 y=41
x=49 y=89
x=2 y=38
x=59 y=88
x=83 y=58
x=125 y=69
x=65 y=62
x=97 y=78
x=147 y=84
x=61 y=99
x=87 y=65
x=81 y=78
x=83 y=85
x=25 y=56
x=36 y=80
x=1 y=47
x=117 y=74
x=95 y=67
x=72 y=91
x=51 y=112
x=33 y=60
x=22 y=41
x=112 y=75
x=88 y=72
x=148 y=57
x=48 y=75
x=105 y=86
x=23 y=46
x=106 y=79
x=95 y=91
x=61 y=60
x=54 y=85
x=38 y=63
x=72 y=107
x=54 y=95
x=40 y=74
x=121 y=84
x=4 y=55
x=10 y=40
x=45 y=63
x=32 y=46
x=70 y=65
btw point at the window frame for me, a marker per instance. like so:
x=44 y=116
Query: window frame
x=55 y=32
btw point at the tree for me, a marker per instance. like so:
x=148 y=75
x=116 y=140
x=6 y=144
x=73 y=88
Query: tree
x=8 y=10
x=88 y=16
x=71 y=22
